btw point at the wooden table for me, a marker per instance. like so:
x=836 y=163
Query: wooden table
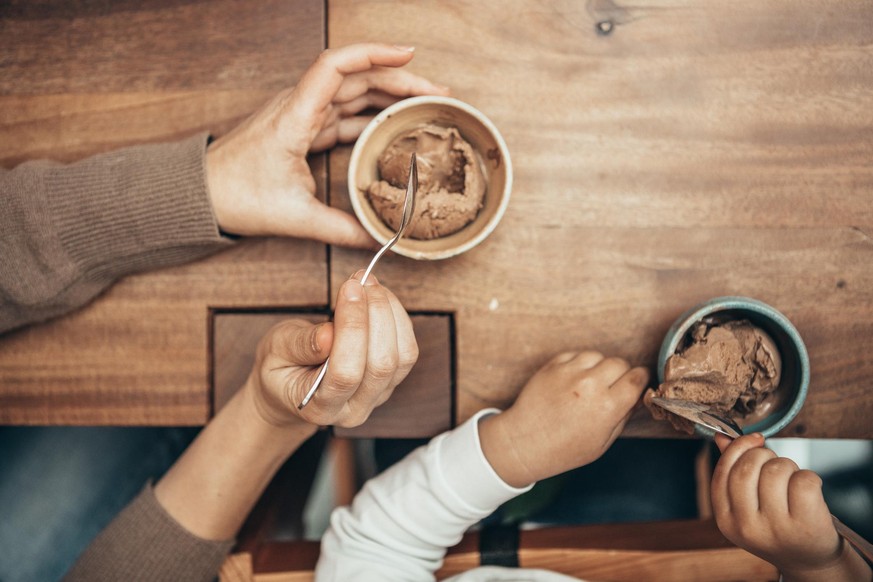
x=699 y=149
x=77 y=78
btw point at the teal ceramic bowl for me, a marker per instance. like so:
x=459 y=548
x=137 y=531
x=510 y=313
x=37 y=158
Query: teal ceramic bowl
x=795 y=360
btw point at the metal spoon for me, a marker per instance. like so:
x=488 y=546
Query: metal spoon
x=703 y=415
x=408 y=209
x=700 y=414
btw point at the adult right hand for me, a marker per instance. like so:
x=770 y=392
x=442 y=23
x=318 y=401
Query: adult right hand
x=372 y=348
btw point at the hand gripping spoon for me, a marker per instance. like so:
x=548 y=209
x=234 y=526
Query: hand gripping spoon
x=408 y=208
x=701 y=414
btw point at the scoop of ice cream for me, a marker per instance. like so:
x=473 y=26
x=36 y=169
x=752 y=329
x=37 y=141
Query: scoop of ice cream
x=451 y=186
x=733 y=367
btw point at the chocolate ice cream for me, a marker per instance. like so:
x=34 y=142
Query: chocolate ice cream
x=733 y=367
x=451 y=186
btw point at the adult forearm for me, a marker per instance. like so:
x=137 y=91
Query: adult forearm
x=214 y=485
x=69 y=231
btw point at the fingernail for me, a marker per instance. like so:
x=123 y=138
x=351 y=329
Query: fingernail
x=315 y=347
x=405 y=48
x=357 y=276
x=371 y=280
x=353 y=291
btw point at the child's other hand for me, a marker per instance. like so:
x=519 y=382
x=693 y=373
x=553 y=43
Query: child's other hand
x=372 y=348
x=566 y=416
x=766 y=505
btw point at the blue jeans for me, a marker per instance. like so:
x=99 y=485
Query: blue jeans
x=60 y=486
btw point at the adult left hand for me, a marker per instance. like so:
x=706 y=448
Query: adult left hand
x=258 y=176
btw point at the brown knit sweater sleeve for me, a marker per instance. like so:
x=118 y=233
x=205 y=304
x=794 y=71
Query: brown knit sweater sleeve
x=68 y=231
x=144 y=543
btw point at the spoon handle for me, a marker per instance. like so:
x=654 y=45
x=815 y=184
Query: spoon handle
x=408 y=209
x=315 y=385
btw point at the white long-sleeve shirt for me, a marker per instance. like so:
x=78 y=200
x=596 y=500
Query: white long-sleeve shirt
x=400 y=524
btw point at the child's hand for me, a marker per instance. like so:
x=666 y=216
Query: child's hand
x=766 y=505
x=258 y=177
x=566 y=416
x=372 y=348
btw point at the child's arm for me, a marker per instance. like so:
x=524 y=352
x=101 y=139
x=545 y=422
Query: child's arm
x=400 y=524
x=766 y=505
x=567 y=415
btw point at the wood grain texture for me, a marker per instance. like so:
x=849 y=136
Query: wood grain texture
x=420 y=407
x=680 y=551
x=58 y=47
x=701 y=149
x=235 y=338
x=286 y=577
x=721 y=565
x=139 y=354
x=286 y=559
x=657 y=551
x=236 y=568
x=69 y=127
x=78 y=78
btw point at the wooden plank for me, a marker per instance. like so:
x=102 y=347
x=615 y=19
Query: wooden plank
x=59 y=46
x=139 y=354
x=235 y=338
x=657 y=551
x=78 y=78
x=69 y=127
x=723 y=565
x=701 y=149
x=661 y=536
x=420 y=407
x=690 y=550
x=286 y=558
x=286 y=577
x=237 y=568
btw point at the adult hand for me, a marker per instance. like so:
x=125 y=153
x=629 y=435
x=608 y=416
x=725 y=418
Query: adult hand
x=372 y=348
x=258 y=177
x=766 y=505
x=566 y=416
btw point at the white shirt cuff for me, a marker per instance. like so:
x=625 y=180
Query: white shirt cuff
x=468 y=473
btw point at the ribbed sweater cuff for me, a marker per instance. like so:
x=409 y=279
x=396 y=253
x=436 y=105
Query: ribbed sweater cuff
x=145 y=543
x=468 y=473
x=137 y=208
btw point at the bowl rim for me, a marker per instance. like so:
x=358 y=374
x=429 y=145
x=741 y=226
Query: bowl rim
x=410 y=103
x=684 y=322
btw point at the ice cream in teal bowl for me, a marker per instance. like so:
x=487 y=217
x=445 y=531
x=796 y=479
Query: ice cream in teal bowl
x=739 y=356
